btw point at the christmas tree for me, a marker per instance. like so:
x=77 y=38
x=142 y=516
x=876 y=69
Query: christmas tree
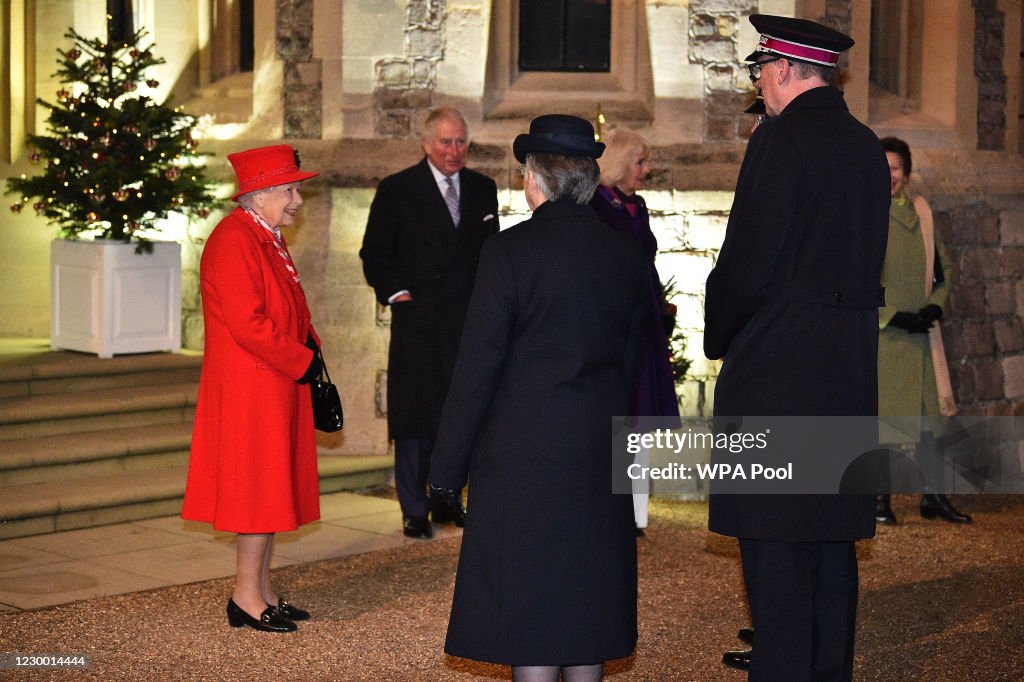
x=117 y=161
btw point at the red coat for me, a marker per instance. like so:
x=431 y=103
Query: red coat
x=253 y=462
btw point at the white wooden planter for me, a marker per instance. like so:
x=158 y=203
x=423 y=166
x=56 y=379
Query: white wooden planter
x=107 y=299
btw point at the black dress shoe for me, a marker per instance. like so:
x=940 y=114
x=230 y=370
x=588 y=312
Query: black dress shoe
x=740 y=659
x=290 y=611
x=883 y=510
x=269 y=621
x=933 y=506
x=446 y=507
x=417 y=527
x=746 y=635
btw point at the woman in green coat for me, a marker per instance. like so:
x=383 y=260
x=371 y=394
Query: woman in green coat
x=913 y=379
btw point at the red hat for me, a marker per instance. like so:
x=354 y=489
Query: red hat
x=267 y=167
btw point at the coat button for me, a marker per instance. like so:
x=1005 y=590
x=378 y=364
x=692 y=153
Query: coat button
x=838 y=295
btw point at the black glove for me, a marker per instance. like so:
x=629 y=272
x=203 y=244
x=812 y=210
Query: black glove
x=313 y=371
x=931 y=313
x=914 y=323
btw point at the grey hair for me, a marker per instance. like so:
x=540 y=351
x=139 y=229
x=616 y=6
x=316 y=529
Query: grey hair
x=248 y=200
x=564 y=177
x=805 y=70
x=439 y=113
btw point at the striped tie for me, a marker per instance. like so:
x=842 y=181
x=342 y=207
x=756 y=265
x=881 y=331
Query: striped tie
x=451 y=197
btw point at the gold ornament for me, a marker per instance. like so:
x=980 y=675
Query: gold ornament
x=149 y=144
x=91 y=217
x=16 y=207
x=172 y=173
x=121 y=195
x=99 y=198
x=74 y=54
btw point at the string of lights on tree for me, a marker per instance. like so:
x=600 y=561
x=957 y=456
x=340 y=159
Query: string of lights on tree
x=117 y=161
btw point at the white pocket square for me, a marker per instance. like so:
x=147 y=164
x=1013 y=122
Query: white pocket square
x=489 y=216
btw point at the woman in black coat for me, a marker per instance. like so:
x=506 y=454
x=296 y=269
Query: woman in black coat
x=547 y=573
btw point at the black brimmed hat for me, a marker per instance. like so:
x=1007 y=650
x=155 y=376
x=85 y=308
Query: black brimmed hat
x=558 y=134
x=798 y=39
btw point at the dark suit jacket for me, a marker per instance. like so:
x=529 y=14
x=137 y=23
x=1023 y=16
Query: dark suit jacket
x=792 y=303
x=550 y=341
x=411 y=243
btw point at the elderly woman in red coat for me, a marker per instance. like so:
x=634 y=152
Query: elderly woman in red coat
x=252 y=468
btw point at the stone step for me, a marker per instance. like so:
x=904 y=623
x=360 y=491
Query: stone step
x=63 y=372
x=51 y=415
x=112 y=451
x=47 y=507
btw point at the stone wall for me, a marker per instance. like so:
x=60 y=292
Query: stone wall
x=989 y=31
x=983 y=333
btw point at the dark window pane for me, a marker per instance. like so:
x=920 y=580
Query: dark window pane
x=541 y=27
x=564 y=35
x=247 y=41
x=588 y=35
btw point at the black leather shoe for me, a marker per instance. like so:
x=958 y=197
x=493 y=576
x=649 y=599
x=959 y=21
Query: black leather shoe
x=290 y=611
x=448 y=509
x=740 y=659
x=746 y=635
x=417 y=527
x=939 y=506
x=269 y=621
x=883 y=510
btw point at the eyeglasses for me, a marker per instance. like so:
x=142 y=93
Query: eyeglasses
x=755 y=68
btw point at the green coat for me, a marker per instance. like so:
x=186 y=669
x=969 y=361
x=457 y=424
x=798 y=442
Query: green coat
x=906 y=376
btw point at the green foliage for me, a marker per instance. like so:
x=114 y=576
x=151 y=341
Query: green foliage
x=677 y=359
x=117 y=161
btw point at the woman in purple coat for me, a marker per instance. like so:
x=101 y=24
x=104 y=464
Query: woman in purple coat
x=624 y=170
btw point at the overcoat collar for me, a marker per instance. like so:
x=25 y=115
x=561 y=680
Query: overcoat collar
x=825 y=96
x=565 y=208
x=902 y=212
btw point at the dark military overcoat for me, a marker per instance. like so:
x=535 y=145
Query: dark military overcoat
x=792 y=303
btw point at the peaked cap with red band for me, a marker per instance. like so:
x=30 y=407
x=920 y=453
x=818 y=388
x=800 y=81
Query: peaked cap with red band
x=267 y=167
x=798 y=39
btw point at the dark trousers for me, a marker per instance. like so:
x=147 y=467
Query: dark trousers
x=803 y=603
x=412 y=467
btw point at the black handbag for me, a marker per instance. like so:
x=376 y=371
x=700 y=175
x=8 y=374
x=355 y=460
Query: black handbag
x=327 y=413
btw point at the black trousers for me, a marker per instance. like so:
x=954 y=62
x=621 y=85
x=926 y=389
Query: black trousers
x=412 y=468
x=803 y=603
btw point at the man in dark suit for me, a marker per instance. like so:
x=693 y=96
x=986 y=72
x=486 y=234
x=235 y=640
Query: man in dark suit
x=420 y=251
x=547 y=571
x=791 y=306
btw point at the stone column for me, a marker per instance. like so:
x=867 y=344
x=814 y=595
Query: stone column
x=404 y=85
x=713 y=30
x=303 y=89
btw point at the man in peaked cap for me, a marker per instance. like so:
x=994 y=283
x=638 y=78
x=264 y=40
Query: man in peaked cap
x=791 y=307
